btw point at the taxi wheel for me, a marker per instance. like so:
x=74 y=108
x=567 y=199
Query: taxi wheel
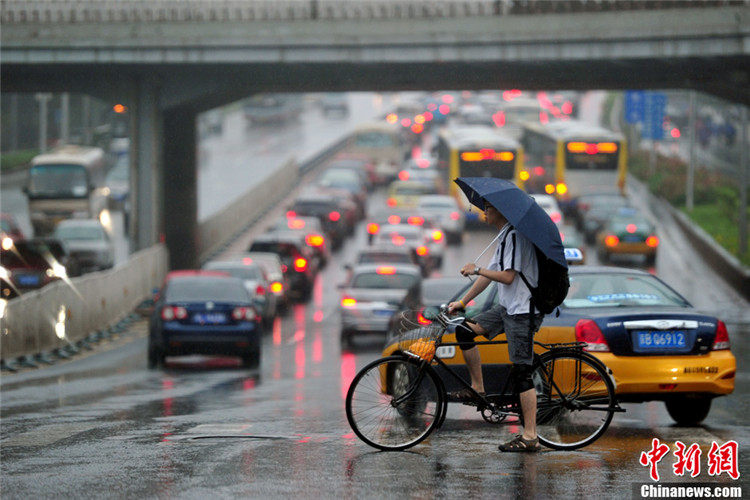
x=688 y=411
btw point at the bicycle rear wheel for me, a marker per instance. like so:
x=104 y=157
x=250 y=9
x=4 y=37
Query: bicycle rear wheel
x=575 y=399
x=394 y=403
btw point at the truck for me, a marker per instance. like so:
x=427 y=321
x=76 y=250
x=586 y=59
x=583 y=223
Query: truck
x=66 y=183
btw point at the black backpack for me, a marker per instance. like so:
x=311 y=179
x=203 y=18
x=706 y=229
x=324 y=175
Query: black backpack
x=552 y=285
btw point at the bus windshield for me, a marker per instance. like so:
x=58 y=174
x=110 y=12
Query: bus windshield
x=58 y=181
x=374 y=140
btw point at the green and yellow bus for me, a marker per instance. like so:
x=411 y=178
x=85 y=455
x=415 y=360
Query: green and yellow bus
x=571 y=158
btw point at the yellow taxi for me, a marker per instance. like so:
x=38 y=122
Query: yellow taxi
x=658 y=346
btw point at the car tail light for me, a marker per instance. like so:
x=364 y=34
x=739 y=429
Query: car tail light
x=315 y=240
x=588 y=331
x=721 y=341
x=169 y=313
x=294 y=223
x=398 y=240
x=373 y=228
x=260 y=290
x=415 y=220
x=277 y=287
x=437 y=236
x=422 y=251
x=284 y=268
x=348 y=302
x=334 y=216
x=556 y=217
x=652 y=241
x=611 y=240
x=290 y=214
x=549 y=189
x=391 y=202
x=244 y=314
x=422 y=320
x=403 y=175
x=300 y=264
x=394 y=219
x=631 y=228
x=454 y=216
x=386 y=270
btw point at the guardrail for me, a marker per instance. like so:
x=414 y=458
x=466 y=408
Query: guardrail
x=63 y=314
x=143 y=11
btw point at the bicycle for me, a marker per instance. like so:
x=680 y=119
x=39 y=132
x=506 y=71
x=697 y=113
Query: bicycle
x=397 y=401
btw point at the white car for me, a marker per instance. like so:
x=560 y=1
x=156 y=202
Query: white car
x=372 y=294
x=550 y=205
x=448 y=214
x=88 y=242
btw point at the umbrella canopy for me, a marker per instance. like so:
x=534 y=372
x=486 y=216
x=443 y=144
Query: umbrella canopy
x=520 y=209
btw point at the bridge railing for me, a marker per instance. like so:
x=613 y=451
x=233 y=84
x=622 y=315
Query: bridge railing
x=143 y=11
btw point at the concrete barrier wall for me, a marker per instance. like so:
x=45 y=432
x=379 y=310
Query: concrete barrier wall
x=216 y=230
x=63 y=313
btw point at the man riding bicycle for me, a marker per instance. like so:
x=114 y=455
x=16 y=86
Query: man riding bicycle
x=514 y=254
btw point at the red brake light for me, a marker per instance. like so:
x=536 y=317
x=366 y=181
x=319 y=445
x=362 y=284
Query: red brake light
x=652 y=241
x=631 y=228
x=611 y=240
x=315 y=240
x=454 y=215
x=290 y=214
x=415 y=220
x=588 y=331
x=403 y=175
x=277 y=287
x=348 y=302
x=295 y=223
x=721 y=341
x=169 y=313
x=556 y=217
x=373 y=228
x=422 y=320
x=422 y=250
x=391 y=202
x=300 y=264
x=334 y=216
x=437 y=235
x=394 y=219
x=260 y=290
x=244 y=313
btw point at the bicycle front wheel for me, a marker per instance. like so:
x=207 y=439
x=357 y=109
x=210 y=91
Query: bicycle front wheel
x=575 y=399
x=394 y=403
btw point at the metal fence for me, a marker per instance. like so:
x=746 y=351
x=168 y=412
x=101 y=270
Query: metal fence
x=143 y=11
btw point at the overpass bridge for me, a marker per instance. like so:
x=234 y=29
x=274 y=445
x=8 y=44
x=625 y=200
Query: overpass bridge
x=169 y=60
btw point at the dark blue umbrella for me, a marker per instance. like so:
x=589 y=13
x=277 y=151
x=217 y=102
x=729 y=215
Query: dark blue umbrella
x=520 y=209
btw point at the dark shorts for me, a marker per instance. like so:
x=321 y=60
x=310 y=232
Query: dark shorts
x=516 y=327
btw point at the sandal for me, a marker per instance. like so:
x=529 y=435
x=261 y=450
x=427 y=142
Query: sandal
x=464 y=395
x=518 y=443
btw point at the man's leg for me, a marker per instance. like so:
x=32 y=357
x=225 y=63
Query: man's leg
x=474 y=364
x=528 y=408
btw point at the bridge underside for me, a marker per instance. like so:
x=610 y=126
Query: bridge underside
x=205 y=86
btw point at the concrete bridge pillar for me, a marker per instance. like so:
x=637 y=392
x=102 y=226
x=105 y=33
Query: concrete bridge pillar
x=146 y=147
x=180 y=207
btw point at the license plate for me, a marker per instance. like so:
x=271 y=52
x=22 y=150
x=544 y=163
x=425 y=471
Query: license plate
x=632 y=239
x=672 y=340
x=28 y=280
x=211 y=318
x=382 y=312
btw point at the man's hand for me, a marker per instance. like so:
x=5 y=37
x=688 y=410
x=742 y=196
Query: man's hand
x=468 y=269
x=454 y=306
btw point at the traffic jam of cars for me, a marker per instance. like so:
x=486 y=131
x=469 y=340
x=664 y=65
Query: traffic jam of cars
x=656 y=344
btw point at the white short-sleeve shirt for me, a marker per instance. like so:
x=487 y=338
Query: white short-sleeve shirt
x=514 y=251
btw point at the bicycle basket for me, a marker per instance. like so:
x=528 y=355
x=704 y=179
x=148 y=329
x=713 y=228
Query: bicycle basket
x=420 y=340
